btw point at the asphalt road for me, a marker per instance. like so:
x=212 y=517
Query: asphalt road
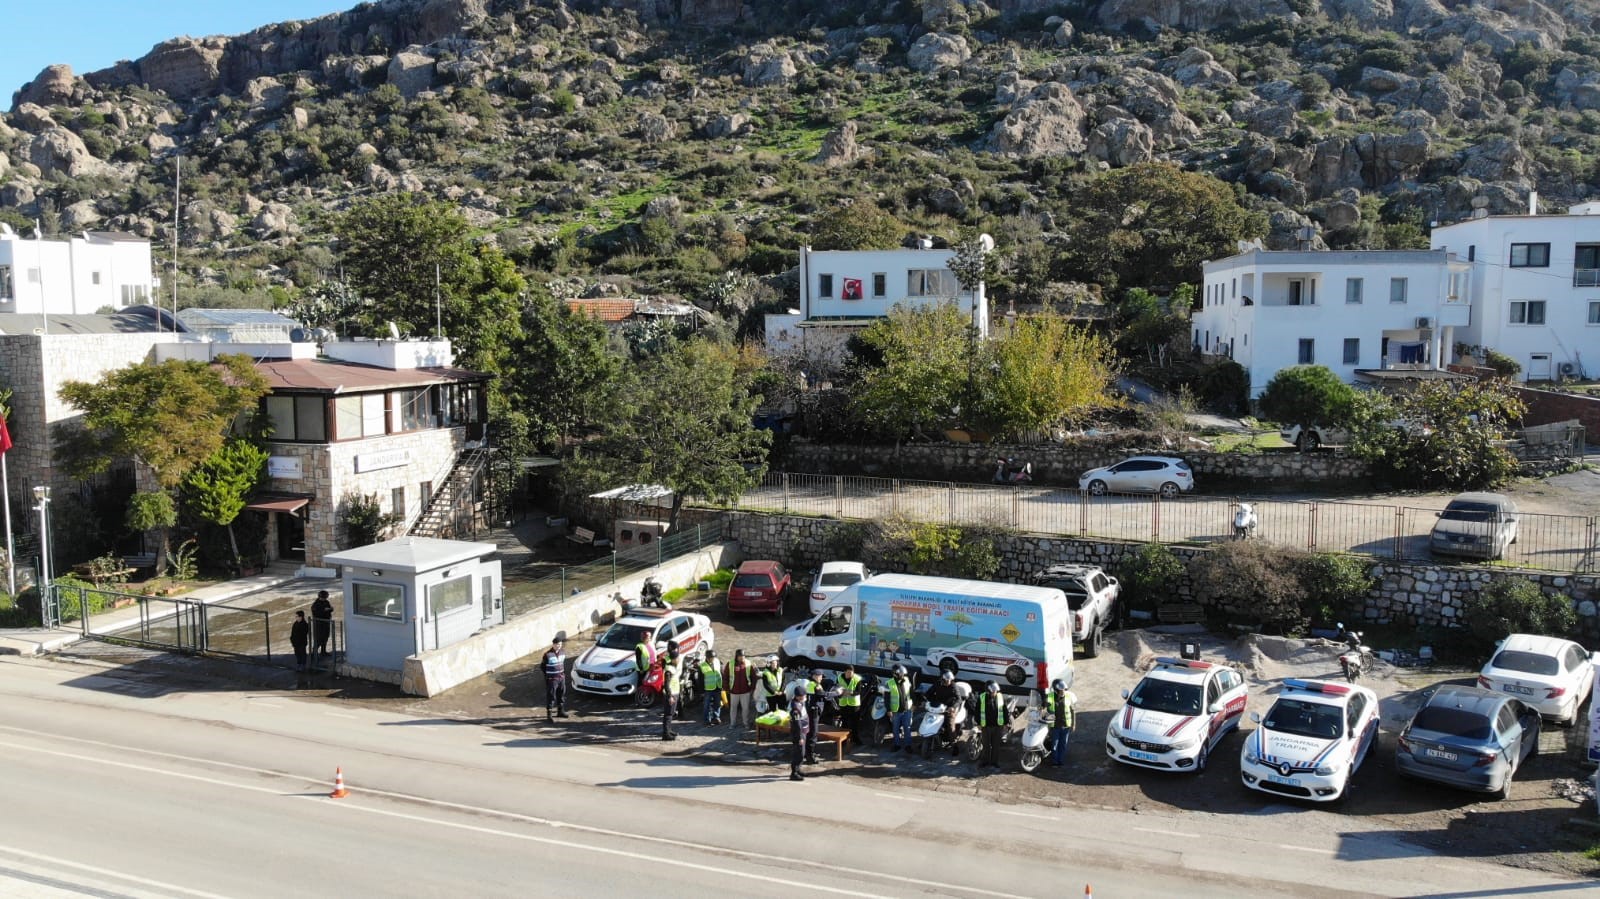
x=122 y=785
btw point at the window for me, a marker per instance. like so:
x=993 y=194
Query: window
x=450 y=595
x=932 y=282
x=1586 y=265
x=397 y=501
x=458 y=404
x=94 y=278
x=359 y=416
x=1352 y=350
x=1397 y=290
x=8 y=288
x=378 y=600
x=1352 y=290
x=1308 y=351
x=300 y=419
x=413 y=410
x=133 y=294
x=1530 y=255
x=824 y=285
x=880 y=284
x=1527 y=312
x=1594 y=313
x=1472 y=252
x=1297 y=291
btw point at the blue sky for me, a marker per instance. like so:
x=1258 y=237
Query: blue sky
x=94 y=34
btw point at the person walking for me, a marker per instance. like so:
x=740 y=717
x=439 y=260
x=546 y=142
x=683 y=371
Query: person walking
x=671 y=688
x=799 y=731
x=900 y=709
x=850 y=702
x=299 y=637
x=992 y=719
x=554 y=666
x=711 y=686
x=739 y=678
x=1059 y=705
x=321 y=628
x=769 y=684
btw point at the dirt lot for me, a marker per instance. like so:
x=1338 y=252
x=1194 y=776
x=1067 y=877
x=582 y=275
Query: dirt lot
x=1534 y=828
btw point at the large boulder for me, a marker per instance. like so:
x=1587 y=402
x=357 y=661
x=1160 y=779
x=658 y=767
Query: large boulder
x=1121 y=142
x=411 y=71
x=655 y=128
x=936 y=52
x=839 y=147
x=1047 y=122
x=55 y=86
x=57 y=151
x=1499 y=158
x=729 y=125
x=265 y=94
x=79 y=216
x=766 y=65
x=33 y=117
x=275 y=220
x=1195 y=67
x=184 y=68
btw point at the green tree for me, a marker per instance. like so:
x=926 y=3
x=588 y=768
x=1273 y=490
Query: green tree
x=217 y=489
x=684 y=420
x=860 y=225
x=1150 y=576
x=1252 y=579
x=153 y=511
x=1041 y=372
x=1153 y=225
x=1146 y=325
x=328 y=304
x=924 y=373
x=1440 y=434
x=364 y=520
x=564 y=362
x=1516 y=605
x=1308 y=395
x=959 y=620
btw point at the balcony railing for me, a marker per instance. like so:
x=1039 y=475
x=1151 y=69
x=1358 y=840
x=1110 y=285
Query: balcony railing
x=1586 y=277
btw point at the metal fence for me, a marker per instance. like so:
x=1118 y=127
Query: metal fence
x=523 y=598
x=1549 y=542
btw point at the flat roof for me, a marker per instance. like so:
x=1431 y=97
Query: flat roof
x=115 y=323
x=331 y=376
x=1411 y=374
x=410 y=554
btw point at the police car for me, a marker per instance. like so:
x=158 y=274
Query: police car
x=1176 y=714
x=607 y=668
x=1311 y=741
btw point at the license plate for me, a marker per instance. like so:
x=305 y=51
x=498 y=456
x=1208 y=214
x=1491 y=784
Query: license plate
x=1280 y=779
x=1441 y=754
x=1141 y=756
x=591 y=683
x=1518 y=688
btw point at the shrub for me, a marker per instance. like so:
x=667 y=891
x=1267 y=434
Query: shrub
x=364 y=522
x=1503 y=365
x=917 y=547
x=74 y=593
x=1224 y=387
x=1332 y=586
x=1516 y=605
x=1252 y=580
x=1149 y=576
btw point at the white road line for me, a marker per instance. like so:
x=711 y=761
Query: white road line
x=340 y=715
x=582 y=751
x=1305 y=849
x=1168 y=833
x=498 y=813
x=256 y=703
x=107 y=873
x=1002 y=811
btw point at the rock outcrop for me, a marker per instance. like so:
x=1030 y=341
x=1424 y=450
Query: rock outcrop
x=1049 y=121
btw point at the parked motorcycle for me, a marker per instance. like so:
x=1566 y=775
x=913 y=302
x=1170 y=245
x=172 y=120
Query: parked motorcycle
x=1011 y=471
x=946 y=731
x=1035 y=738
x=649 y=687
x=650 y=597
x=876 y=723
x=1244 y=522
x=1357 y=659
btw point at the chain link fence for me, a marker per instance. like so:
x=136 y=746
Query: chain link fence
x=522 y=598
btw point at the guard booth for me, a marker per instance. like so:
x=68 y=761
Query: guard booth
x=412 y=594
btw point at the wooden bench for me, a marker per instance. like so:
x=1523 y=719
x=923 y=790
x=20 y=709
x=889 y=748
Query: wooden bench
x=1181 y=613
x=586 y=537
x=781 y=733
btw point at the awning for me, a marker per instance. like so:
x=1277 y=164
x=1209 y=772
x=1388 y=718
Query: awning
x=287 y=503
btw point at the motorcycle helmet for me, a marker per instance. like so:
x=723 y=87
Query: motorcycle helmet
x=948 y=677
x=899 y=671
x=1058 y=685
x=672 y=647
x=772 y=661
x=993 y=687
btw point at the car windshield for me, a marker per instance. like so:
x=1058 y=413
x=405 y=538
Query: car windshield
x=1526 y=662
x=1157 y=695
x=1455 y=722
x=623 y=636
x=1306 y=719
x=1469 y=512
x=752 y=581
x=1182 y=466
x=838 y=578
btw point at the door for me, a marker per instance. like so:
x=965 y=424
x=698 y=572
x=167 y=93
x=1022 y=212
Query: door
x=291 y=536
x=832 y=638
x=1539 y=367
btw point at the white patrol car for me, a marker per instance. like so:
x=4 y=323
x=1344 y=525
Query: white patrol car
x=607 y=668
x=1311 y=741
x=1176 y=714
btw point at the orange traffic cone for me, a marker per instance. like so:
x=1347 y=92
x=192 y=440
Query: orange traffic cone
x=339 y=792
x=1088 y=891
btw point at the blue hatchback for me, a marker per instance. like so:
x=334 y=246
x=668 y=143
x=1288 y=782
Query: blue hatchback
x=1469 y=737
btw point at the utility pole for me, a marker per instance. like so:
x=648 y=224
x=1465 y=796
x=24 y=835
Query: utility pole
x=177 y=210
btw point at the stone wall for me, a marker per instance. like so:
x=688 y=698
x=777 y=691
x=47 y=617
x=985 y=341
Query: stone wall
x=1059 y=464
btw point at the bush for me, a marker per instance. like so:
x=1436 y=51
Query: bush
x=917 y=547
x=1224 y=387
x=1503 y=365
x=1253 y=580
x=74 y=592
x=364 y=521
x=1517 y=605
x=1333 y=587
x=1149 y=577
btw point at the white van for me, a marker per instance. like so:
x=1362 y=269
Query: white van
x=1018 y=635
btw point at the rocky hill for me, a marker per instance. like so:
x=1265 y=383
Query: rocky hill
x=672 y=142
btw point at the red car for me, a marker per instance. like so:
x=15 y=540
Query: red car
x=759 y=586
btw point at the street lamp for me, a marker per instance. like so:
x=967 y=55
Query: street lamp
x=41 y=496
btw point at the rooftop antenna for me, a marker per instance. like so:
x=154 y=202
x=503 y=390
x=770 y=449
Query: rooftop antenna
x=438 y=313
x=177 y=208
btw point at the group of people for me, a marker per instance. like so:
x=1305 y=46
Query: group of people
x=737 y=685
x=310 y=638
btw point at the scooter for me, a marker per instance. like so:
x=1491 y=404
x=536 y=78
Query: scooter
x=649 y=686
x=1356 y=659
x=1244 y=522
x=932 y=730
x=1010 y=471
x=650 y=597
x=876 y=725
x=1035 y=738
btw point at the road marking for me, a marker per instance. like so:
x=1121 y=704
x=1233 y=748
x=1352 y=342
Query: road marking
x=901 y=798
x=1305 y=849
x=340 y=715
x=1026 y=815
x=1168 y=833
x=170 y=888
x=490 y=812
x=581 y=751
x=264 y=705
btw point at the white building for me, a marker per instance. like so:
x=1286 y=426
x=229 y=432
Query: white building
x=1368 y=315
x=77 y=276
x=844 y=291
x=1535 y=283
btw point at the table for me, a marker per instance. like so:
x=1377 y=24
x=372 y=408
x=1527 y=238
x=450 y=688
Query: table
x=780 y=733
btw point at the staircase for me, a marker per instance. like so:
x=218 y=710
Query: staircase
x=436 y=519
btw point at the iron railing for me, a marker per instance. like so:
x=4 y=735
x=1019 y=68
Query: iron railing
x=523 y=598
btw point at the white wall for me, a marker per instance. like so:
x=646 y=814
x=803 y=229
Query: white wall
x=57 y=277
x=894 y=266
x=395 y=355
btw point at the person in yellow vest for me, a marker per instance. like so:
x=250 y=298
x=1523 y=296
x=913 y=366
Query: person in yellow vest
x=644 y=655
x=850 y=702
x=900 y=708
x=769 y=684
x=711 y=686
x=671 y=688
x=1058 y=708
x=992 y=718
x=739 y=679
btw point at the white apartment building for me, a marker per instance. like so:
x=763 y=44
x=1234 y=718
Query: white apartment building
x=1368 y=315
x=1535 y=283
x=76 y=276
x=845 y=291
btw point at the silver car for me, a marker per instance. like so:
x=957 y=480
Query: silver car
x=1468 y=737
x=1478 y=525
x=1165 y=475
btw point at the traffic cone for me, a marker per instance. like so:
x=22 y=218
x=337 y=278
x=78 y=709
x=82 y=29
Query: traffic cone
x=339 y=792
x=1088 y=891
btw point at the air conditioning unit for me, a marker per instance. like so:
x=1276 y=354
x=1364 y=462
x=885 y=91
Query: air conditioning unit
x=1424 y=322
x=1569 y=369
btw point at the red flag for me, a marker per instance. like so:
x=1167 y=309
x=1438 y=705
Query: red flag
x=5 y=437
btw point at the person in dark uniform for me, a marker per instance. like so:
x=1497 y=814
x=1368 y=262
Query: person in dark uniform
x=299 y=637
x=799 y=729
x=814 y=701
x=321 y=628
x=554 y=666
x=992 y=718
x=671 y=689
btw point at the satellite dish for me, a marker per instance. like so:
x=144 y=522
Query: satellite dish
x=986 y=243
x=298 y=335
x=320 y=335
x=394 y=331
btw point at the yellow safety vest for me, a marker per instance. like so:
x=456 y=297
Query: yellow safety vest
x=710 y=677
x=1050 y=708
x=899 y=695
x=983 y=711
x=772 y=680
x=730 y=668
x=848 y=699
x=671 y=671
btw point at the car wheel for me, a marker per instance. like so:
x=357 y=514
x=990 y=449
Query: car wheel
x=1201 y=759
x=1016 y=676
x=1308 y=441
x=947 y=666
x=1097 y=488
x=644 y=700
x=1169 y=490
x=1091 y=643
x=1504 y=792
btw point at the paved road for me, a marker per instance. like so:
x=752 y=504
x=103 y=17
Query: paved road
x=128 y=786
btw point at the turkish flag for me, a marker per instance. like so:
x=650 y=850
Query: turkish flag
x=5 y=437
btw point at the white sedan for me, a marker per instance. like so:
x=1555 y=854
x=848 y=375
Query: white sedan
x=1311 y=741
x=607 y=667
x=1163 y=475
x=1550 y=674
x=980 y=658
x=1176 y=715
x=831 y=580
